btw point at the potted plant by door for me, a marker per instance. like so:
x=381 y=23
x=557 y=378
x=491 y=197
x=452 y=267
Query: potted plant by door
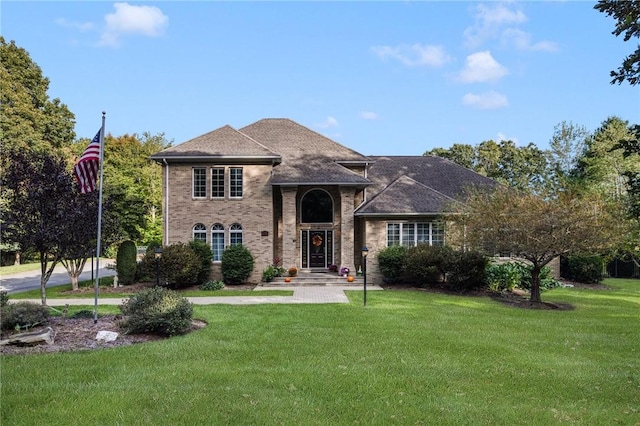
x=293 y=271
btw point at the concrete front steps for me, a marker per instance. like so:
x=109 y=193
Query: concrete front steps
x=315 y=278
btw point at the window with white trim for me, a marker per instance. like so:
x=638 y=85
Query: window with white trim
x=414 y=233
x=217 y=182
x=235 y=234
x=199 y=182
x=200 y=233
x=235 y=182
x=217 y=242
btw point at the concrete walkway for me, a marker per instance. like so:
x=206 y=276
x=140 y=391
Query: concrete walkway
x=316 y=294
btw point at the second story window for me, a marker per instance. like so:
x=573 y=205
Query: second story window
x=235 y=182
x=217 y=182
x=199 y=182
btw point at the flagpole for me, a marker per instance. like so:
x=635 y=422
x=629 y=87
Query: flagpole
x=97 y=283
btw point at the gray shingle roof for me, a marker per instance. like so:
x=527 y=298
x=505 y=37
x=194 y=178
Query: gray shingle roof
x=225 y=142
x=405 y=196
x=417 y=184
x=294 y=141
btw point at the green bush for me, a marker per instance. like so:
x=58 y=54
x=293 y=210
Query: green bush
x=126 y=263
x=269 y=273
x=23 y=315
x=205 y=254
x=212 y=286
x=157 y=310
x=546 y=279
x=504 y=276
x=180 y=266
x=391 y=261
x=466 y=270
x=4 y=298
x=236 y=264
x=427 y=264
x=586 y=268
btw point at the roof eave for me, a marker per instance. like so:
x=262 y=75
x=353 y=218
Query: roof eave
x=244 y=159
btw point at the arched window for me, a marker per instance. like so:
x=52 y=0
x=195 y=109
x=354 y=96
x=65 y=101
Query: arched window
x=316 y=207
x=217 y=241
x=200 y=233
x=235 y=234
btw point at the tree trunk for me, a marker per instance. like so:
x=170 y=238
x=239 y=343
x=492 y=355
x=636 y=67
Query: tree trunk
x=74 y=268
x=535 y=284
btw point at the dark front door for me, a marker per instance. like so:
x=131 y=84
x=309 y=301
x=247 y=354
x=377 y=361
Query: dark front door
x=317 y=249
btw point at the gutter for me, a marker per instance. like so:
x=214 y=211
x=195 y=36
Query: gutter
x=166 y=205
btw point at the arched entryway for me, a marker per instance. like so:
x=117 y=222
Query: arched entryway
x=316 y=220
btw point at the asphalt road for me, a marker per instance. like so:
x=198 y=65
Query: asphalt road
x=24 y=281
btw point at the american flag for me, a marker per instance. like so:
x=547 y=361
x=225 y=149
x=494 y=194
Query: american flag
x=86 y=170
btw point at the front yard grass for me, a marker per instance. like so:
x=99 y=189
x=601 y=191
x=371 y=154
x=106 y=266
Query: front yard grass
x=408 y=357
x=107 y=291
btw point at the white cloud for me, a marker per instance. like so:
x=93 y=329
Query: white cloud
x=489 y=21
x=521 y=40
x=488 y=100
x=414 y=55
x=481 y=67
x=80 y=26
x=127 y=19
x=368 y=115
x=328 y=123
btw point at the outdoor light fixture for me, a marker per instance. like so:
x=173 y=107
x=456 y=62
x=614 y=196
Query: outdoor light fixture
x=365 y=252
x=158 y=252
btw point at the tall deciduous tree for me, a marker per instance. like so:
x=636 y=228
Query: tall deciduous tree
x=132 y=184
x=525 y=168
x=566 y=148
x=534 y=228
x=39 y=214
x=627 y=16
x=28 y=118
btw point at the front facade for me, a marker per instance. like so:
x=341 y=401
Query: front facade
x=288 y=193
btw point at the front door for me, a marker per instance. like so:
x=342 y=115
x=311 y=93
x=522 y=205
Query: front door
x=317 y=248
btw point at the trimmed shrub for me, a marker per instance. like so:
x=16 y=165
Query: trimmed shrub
x=427 y=264
x=126 y=263
x=203 y=251
x=391 y=261
x=4 y=298
x=466 y=270
x=212 y=286
x=157 y=310
x=586 y=268
x=236 y=264
x=23 y=315
x=180 y=266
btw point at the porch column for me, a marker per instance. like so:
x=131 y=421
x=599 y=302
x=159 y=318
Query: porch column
x=289 y=234
x=346 y=229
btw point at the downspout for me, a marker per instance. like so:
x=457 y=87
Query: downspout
x=166 y=203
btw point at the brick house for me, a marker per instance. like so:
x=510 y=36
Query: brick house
x=286 y=191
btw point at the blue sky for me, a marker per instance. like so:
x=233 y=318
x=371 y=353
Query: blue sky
x=395 y=78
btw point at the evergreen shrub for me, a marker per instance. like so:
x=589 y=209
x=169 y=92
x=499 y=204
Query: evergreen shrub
x=157 y=310
x=126 y=263
x=205 y=254
x=23 y=315
x=391 y=261
x=236 y=264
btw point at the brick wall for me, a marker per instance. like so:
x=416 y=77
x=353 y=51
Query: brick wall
x=254 y=211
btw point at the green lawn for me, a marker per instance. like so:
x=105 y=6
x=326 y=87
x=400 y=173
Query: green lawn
x=406 y=358
x=87 y=287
